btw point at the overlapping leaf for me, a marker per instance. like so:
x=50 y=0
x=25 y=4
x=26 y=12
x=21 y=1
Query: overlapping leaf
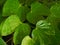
x=41 y=38
x=38 y=10
x=10 y=24
x=21 y=31
x=10 y=7
x=46 y=27
x=27 y=41
x=23 y=10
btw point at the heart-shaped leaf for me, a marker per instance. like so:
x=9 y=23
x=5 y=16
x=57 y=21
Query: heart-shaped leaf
x=21 y=31
x=10 y=24
x=10 y=7
x=27 y=41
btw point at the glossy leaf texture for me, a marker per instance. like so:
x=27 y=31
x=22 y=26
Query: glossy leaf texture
x=55 y=10
x=21 y=31
x=27 y=41
x=10 y=24
x=22 y=11
x=10 y=7
x=37 y=12
x=2 y=42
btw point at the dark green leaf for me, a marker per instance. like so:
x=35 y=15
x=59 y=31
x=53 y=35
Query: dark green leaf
x=41 y=38
x=21 y=31
x=10 y=7
x=55 y=10
x=23 y=10
x=37 y=12
x=39 y=9
x=33 y=18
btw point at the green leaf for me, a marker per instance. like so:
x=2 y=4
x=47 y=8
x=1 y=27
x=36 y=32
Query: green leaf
x=37 y=12
x=46 y=27
x=39 y=9
x=57 y=37
x=55 y=10
x=33 y=18
x=41 y=38
x=2 y=42
x=27 y=41
x=21 y=31
x=56 y=24
x=10 y=24
x=1 y=25
x=10 y=7
x=23 y=10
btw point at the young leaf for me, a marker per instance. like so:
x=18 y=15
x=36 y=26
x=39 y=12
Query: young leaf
x=10 y=7
x=2 y=42
x=10 y=24
x=27 y=41
x=21 y=31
